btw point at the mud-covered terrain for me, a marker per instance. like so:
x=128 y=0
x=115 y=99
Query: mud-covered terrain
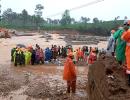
x=39 y=82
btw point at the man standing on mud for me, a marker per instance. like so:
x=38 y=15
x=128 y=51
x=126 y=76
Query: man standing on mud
x=70 y=74
x=126 y=37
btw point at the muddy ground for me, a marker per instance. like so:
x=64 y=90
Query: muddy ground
x=38 y=82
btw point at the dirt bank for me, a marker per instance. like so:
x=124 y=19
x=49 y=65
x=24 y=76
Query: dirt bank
x=107 y=81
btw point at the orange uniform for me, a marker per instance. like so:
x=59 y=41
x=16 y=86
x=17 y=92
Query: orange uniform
x=69 y=70
x=126 y=37
x=70 y=74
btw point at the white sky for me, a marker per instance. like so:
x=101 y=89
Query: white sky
x=105 y=10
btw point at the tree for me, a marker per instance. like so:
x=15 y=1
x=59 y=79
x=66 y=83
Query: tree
x=96 y=20
x=72 y=21
x=37 y=20
x=66 y=19
x=24 y=16
x=116 y=18
x=38 y=14
x=49 y=20
x=56 y=21
x=85 y=19
x=0 y=12
x=38 y=10
x=8 y=15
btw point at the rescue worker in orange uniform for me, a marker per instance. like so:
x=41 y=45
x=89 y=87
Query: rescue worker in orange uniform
x=69 y=74
x=126 y=37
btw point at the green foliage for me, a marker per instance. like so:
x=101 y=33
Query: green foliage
x=85 y=19
x=100 y=28
x=24 y=16
x=65 y=18
x=38 y=10
x=95 y=20
x=23 y=20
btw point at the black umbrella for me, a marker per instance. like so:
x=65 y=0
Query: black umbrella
x=21 y=45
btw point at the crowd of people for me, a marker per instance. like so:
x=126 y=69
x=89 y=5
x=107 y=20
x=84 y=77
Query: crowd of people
x=22 y=55
x=119 y=46
x=30 y=55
